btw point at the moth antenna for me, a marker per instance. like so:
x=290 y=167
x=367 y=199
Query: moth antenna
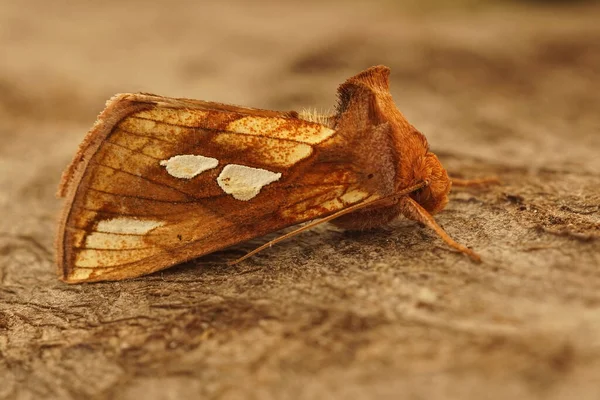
x=492 y=180
x=414 y=211
x=332 y=216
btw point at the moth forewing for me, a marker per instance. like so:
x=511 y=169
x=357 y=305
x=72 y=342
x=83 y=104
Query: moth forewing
x=158 y=181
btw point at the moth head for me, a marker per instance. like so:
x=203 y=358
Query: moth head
x=434 y=196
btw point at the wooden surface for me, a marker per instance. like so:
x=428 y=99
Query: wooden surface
x=498 y=89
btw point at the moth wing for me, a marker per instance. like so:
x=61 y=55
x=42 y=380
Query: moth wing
x=159 y=181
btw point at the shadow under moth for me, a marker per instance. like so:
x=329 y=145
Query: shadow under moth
x=158 y=181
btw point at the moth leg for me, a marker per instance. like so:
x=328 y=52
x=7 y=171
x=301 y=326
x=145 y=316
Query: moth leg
x=372 y=202
x=308 y=226
x=492 y=180
x=412 y=210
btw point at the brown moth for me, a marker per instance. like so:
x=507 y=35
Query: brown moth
x=159 y=181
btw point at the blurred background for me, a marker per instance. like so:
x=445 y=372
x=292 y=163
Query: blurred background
x=505 y=87
x=503 y=80
x=484 y=61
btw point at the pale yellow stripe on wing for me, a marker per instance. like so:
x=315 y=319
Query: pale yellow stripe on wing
x=354 y=196
x=82 y=239
x=332 y=205
x=142 y=144
x=275 y=152
x=80 y=274
x=298 y=194
x=102 y=240
x=83 y=274
x=281 y=128
x=118 y=157
x=315 y=211
x=312 y=133
x=128 y=225
x=176 y=116
x=316 y=206
x=157 y=130
x=320 y=205
x=93 y=258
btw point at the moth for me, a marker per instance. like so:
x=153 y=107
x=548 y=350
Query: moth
x=158 y=181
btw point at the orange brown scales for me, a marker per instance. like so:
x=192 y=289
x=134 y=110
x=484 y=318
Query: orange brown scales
x=159 y=181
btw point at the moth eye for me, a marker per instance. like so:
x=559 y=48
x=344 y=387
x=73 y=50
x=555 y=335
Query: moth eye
x=370 y=176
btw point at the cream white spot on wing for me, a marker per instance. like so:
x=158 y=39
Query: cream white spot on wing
x=128 y=225
x=244 y=183
x=187 y=166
